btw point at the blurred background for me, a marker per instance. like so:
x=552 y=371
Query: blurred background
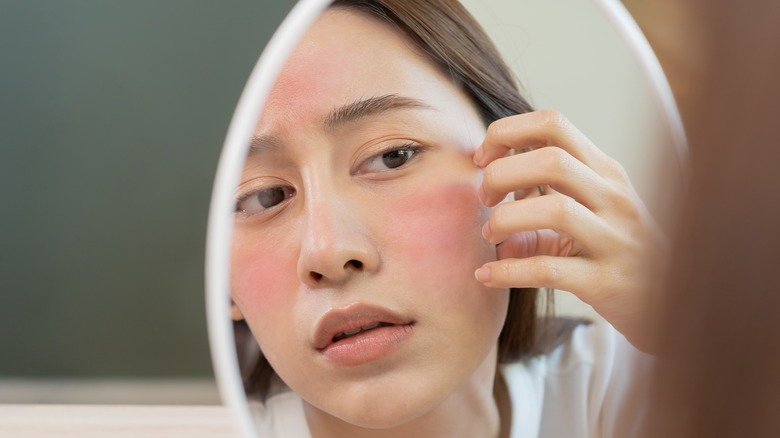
x=112 y=116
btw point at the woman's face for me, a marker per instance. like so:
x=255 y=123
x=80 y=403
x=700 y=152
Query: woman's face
x=357 y=207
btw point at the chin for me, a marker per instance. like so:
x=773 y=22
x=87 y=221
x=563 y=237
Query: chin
x=383 y=415
x=380 y=411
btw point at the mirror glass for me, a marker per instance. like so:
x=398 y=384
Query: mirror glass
x=346 y=222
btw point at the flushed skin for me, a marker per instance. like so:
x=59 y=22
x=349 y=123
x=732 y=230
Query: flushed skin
x=351 y=232
x=364 y=203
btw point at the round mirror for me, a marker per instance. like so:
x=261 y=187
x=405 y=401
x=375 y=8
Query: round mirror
x=346 y=215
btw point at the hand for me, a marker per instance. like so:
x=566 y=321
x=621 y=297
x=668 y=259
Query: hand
x=589 y=234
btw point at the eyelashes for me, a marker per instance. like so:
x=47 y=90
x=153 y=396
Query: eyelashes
x=390 y=159
x=263 y=199
x=266 y=195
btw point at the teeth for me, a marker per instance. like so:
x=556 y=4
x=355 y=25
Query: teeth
x=347 y=333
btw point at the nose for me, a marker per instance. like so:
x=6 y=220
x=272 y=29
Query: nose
x=336 y=244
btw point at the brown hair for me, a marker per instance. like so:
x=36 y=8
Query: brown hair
x=722 y=329
x=452 y=39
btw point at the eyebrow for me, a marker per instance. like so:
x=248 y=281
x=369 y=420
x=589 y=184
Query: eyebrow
x=371 y=106
x=263 y=143
x=340 y=116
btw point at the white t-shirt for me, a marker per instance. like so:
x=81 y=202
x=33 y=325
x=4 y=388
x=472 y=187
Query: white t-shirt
x=591 y=386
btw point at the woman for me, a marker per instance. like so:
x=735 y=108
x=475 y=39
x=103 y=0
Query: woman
x=372 y=263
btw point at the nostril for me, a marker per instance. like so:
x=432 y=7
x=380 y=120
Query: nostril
x=317 y=277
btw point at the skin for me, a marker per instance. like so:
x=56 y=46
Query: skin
x=590 y=234
x=420 y=239
x=292 y=262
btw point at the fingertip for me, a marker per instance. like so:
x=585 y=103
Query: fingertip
x=479 y=155
x=486 y=233
x=483 y=274
x=492 y=202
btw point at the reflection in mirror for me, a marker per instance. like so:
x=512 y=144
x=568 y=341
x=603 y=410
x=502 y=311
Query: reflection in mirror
x=403 y=211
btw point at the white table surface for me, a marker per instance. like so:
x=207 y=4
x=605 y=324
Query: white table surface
x=92 y=421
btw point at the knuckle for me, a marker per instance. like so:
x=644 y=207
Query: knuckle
x=617 y=170
x=547 y=272
x=625 y=202
x=492 y=175
x=619 y=197
x=507 y=272
x=553 y=119
x=564 y=209
x=556 y=159
x=632 y=209
x=497 y=129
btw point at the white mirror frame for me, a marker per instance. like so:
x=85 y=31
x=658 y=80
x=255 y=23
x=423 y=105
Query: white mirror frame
x=253 y=97
x=220 y=225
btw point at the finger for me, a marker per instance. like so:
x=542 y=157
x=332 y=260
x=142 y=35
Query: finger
x=527 y=193
x=551 y=166
x=571 y=274
x=558 y=212
x=540 y=129
x=528 y=244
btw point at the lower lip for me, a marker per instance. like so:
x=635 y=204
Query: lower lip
x=367 y=346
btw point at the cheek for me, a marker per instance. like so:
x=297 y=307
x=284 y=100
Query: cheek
x=261 y=281
x=440 y=225
x=442 y=246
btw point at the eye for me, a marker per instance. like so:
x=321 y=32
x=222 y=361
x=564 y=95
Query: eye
x=264 y=199
x=391 y=159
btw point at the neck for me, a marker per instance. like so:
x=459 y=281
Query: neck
x=475 y=409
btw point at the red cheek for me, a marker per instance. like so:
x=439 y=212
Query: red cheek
x=261 y=280
x=437 y=223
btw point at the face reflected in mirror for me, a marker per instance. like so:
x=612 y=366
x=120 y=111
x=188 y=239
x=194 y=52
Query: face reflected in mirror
x=374 y=242
x=358 y=231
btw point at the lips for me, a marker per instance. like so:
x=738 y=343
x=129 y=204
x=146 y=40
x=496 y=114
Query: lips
x=340 y=325
x=347 y=333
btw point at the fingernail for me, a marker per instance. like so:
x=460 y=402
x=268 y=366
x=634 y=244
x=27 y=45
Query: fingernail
x=483 y=274
x=486 y=234
x=481 y=194
x=478 y=154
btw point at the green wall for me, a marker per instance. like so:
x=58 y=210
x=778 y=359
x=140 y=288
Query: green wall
x=112 y=115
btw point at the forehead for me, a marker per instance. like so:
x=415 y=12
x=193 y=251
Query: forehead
x=347 y=56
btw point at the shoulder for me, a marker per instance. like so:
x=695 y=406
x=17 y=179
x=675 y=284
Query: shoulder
x=592 y=380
